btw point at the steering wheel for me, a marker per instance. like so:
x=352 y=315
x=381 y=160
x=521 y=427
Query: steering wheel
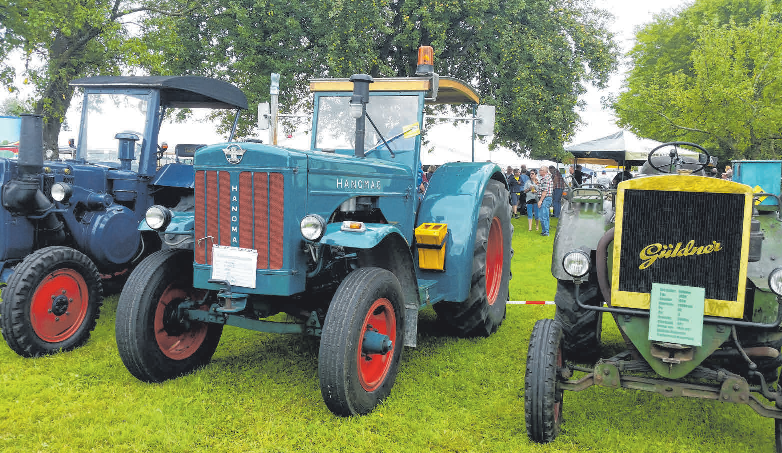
x=676 y=160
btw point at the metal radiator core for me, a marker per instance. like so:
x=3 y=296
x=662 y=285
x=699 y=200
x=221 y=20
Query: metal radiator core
x=241 y=209
x=682 y=238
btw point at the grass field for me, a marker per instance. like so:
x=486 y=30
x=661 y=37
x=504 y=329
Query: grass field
x=260 y=393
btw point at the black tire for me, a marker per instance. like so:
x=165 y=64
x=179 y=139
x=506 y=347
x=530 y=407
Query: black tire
x=582 y=329
x=542 y=399
x=51 y=303
x=484 y=310
x=353 y=382
x=172 y=349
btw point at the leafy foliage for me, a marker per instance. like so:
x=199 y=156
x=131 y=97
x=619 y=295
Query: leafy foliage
x=63 y=40
x=709 y=75
x=529 y=58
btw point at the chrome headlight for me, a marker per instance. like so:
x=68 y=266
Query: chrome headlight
x=158 y=217
x=313 y=227
x=775 y=281
x=61 y=191
x=576 y=263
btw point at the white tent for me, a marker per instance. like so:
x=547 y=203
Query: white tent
x=622 y=146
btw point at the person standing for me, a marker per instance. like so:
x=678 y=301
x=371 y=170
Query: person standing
x=604 y=181
x=532 y=190
x=545 y=200
x=515 y=186
x=559 y=188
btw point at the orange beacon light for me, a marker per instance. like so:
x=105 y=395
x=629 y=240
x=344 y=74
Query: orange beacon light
x=425 y=61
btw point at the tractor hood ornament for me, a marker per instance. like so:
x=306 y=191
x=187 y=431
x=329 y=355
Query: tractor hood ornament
x=233 y=154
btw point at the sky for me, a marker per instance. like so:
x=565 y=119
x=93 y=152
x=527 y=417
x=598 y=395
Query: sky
x=455 y=145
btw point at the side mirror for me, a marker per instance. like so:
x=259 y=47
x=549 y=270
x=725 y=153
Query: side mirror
x=484 y=124
x=264 y=116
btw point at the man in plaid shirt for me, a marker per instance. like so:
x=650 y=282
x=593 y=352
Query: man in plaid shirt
x=544 y=203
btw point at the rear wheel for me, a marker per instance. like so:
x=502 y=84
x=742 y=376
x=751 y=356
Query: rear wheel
x=155 y=342
x=51 y=303
x=484 y=310
x=582 y=329
x=542 y=398
x=362 y=342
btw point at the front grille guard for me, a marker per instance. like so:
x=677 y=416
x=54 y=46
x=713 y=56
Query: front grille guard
x=605 y=288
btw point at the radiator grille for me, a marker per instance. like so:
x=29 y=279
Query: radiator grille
x=242 y=209
x=669 y=218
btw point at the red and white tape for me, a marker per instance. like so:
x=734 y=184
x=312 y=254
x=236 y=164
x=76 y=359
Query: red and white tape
x=531 y=302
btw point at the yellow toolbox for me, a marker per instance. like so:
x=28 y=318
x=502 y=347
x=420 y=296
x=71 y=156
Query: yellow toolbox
x=430 y=240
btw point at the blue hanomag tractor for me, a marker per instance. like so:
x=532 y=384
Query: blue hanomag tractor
x=67 y=225
x=327 y=236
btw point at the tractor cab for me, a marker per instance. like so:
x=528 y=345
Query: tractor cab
x=141 y=103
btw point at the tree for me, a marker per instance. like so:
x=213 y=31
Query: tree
x=63 y=40
x=709 y=75
x=528 y=58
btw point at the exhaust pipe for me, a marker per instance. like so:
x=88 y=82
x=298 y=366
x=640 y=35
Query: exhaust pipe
x=31 y=145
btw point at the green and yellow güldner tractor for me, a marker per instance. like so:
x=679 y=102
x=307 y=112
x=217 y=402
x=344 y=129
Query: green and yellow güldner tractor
x=687 y=266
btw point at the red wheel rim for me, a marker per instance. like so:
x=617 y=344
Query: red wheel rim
x=183 y=345
x=494 y=261
x=373 y=368
x=59 y=305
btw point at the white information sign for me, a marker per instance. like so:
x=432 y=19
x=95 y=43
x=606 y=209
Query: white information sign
x=236 y=265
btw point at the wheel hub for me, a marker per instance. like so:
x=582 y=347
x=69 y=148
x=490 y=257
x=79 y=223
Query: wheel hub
x=173 y=322
x=60 y=304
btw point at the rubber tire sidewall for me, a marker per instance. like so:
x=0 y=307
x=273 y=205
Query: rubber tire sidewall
x=27 y=276
x=475 y=316
x=134 y=328
x=540 y=379
x=338 y=356
x=582 y=329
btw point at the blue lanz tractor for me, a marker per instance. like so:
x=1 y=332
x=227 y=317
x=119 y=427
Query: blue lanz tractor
x=68 y=225
x=335 y=237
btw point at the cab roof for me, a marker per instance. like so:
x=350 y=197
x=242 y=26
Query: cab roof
x=176 y=91
x=450 y=90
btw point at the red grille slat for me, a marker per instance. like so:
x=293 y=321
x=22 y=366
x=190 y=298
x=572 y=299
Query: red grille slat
x=276 y=219
x=200 y=218
x=225 y=208
x=246 y=210
x=262 y=219
x=211 y=213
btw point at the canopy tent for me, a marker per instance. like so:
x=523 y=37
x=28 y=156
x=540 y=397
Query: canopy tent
x=614 y=149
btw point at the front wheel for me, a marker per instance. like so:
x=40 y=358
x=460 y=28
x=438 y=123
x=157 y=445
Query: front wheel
x=542 y=398
x=51 y=303
x=484 y=310
x=155 y=342
x=361 y=342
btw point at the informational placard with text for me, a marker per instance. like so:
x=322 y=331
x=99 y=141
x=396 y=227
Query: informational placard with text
x=676 y=314
x=236 y=265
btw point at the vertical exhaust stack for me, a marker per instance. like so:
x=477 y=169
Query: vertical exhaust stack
x=31 y=145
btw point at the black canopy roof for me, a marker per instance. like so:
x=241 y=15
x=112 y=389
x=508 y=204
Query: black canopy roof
x=176 y=91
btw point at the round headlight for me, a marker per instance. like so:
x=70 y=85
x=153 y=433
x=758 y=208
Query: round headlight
x=312 y=227
x=576 y=263
x=61 y=191
x=775 y=281
x=158 y=217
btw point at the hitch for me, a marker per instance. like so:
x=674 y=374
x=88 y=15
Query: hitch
x=232 y=302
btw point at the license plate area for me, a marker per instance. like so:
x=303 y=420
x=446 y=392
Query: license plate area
x=676 y=314
x=235 y=265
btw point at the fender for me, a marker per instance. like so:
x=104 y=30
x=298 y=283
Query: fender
x=181 y=223
x=454 y=197
x=175 y=175
x=374 y=233
x=771 y=226
x=581 y=225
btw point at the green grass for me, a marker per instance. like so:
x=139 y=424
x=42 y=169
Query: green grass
x=260 y=393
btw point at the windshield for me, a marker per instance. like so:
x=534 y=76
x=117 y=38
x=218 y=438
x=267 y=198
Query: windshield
x=107 y=114
x=392 y=114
